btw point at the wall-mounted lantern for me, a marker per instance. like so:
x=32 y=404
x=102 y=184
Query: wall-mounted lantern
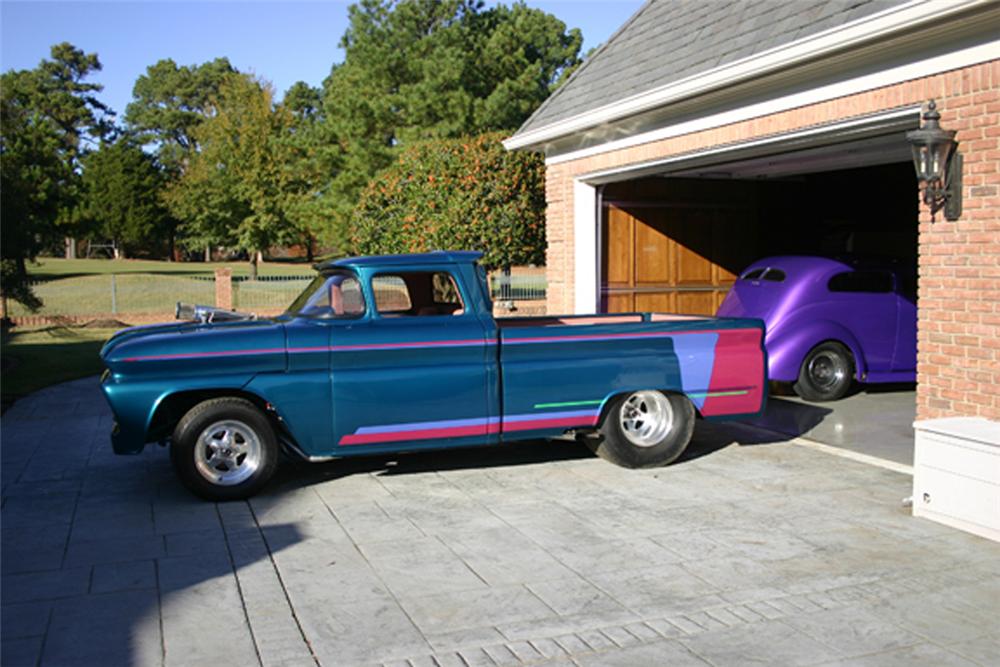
x=938 y=164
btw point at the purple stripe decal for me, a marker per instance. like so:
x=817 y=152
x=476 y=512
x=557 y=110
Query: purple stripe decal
x=414 y=426
x=583 y=414
x=453 y=428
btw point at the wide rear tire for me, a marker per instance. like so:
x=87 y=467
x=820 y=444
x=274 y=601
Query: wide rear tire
x=224 y=449
x=645 y=429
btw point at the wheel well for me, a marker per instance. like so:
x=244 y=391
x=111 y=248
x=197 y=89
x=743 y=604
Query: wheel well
x=172 y=408
x=668 y=392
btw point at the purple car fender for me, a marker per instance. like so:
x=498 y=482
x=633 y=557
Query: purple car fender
x=790 y=342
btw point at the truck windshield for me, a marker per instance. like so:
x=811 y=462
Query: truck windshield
x=330 y=295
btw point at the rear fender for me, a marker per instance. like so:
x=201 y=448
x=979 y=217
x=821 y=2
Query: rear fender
x=788 y=345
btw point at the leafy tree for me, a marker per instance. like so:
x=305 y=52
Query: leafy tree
x=170 y=102
x=233 y=191
x=50 y=115
x=457 y=194
x=312 y=156
x=122 y=187
x=421 y=69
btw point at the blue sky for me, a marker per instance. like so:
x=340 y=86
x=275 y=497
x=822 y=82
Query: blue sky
x=280 y=41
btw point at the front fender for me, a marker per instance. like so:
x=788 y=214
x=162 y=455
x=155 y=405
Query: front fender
x=134 y=402
x=788 y=345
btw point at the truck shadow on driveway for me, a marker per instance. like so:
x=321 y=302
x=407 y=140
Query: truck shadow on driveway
x=789 y=420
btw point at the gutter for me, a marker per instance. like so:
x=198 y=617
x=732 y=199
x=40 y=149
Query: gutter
x=877 y=26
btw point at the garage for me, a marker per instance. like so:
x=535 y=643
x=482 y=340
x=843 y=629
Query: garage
x=676 y=240
x=703 y=137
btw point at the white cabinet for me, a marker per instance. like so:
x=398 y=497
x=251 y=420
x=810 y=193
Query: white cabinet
x=956 y=474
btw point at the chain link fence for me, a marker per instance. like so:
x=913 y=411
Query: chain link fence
x=155 y=294
x=269 y=293
x=518 y=284
x=127 y=293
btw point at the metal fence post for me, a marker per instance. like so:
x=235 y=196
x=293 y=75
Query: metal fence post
x=114 y=295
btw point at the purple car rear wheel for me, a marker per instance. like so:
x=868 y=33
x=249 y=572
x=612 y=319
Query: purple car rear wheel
x=826 y=373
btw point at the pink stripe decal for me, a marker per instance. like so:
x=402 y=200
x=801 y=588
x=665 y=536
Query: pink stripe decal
x=566 y=422
x=322 y=348
x=465 y=431
x=422 y=434
x=201 y=355
x=401 y=346
x=600 y=337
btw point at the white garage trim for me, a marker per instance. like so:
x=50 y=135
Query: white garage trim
x=584 y=247
x=962 y=58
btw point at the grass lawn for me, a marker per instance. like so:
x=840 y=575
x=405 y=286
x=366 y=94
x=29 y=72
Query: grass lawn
x=82 y=287
x=50 y=267
x=36 y=359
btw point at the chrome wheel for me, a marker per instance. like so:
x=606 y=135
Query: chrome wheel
x=646 y=417
x=826 y=370
x=227 y=452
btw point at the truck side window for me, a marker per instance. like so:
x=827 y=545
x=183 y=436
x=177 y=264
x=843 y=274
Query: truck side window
x=334 y=295
x=417 y=294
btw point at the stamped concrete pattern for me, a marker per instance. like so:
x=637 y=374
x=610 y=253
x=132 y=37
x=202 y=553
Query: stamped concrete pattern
x=748 y=551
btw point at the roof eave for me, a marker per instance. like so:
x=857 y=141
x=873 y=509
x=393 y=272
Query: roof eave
x=877 y=26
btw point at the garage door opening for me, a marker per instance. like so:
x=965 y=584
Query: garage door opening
x=676 y=242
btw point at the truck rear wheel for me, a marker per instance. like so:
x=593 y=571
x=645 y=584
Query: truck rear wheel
x=645 y=429
x=224 y=449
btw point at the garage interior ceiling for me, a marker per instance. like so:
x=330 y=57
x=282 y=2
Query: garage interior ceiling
x=886 y=149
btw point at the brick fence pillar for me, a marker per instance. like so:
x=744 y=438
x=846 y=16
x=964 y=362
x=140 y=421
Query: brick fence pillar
x=224 y=288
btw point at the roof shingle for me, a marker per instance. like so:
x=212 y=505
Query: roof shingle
x=669 y=40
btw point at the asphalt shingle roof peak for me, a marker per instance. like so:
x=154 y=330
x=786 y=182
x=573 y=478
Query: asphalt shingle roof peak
x=669 y=40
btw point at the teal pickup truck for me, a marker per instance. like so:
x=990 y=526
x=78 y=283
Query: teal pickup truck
x=402 y=353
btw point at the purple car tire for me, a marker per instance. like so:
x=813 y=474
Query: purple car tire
x=826 y=373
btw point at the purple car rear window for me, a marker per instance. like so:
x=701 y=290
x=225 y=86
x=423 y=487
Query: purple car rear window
x=774 y=275
x=872 y=282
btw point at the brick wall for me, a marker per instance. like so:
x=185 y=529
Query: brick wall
x=959 y=262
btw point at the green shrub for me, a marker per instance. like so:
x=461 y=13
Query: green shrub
x=456 y=194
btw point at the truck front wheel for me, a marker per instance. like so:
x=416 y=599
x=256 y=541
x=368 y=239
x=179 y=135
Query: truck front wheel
x=224 y=449
x=645 y=429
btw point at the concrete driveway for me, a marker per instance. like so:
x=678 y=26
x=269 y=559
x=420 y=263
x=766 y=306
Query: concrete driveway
x=748 y=551
x=875 y=420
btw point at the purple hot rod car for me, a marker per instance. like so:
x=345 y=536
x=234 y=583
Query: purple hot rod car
x=829 y=321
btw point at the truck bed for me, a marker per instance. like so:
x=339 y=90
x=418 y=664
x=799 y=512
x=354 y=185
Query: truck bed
x=568 y=366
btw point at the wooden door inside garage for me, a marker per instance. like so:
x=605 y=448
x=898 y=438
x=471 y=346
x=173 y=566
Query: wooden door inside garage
x=675 y=245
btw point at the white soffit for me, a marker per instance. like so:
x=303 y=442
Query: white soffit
x=814 y=139
x=872 y=28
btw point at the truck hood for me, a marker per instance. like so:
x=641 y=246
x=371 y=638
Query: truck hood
x=178 y=345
